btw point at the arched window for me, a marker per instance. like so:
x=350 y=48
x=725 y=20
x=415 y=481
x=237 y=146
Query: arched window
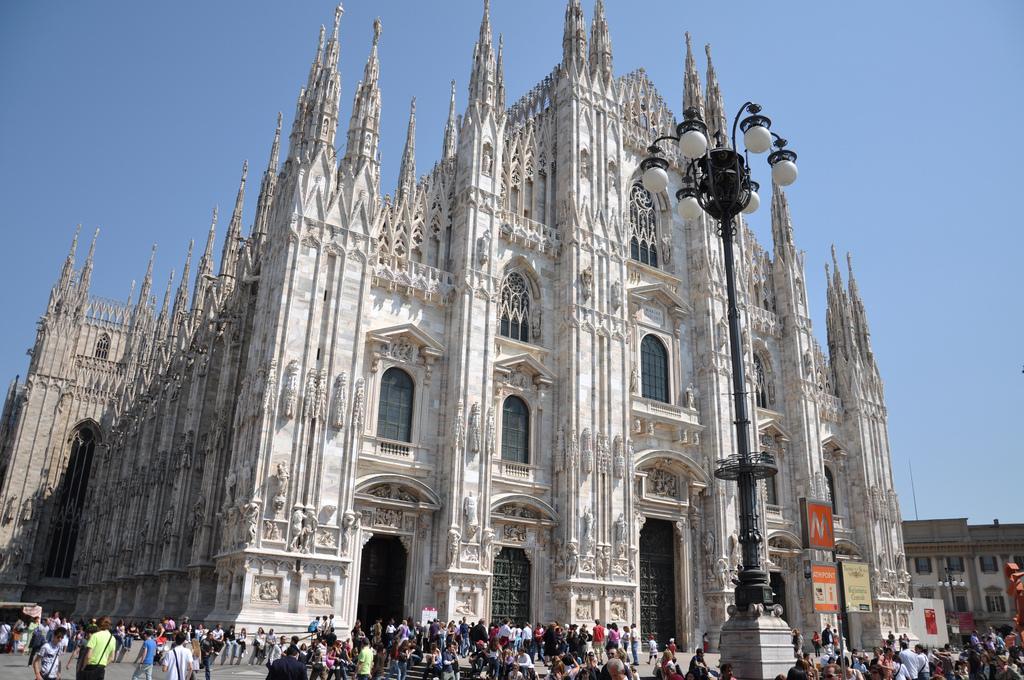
x=654 y=369
x=515 y=431
x=394 y=417
x=102 y=347
x=643 y=242
x=760 y=383
x=830 y=482
x=515 y=308
x=69 y=503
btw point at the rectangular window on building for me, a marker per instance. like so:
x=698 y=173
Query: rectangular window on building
x=961 y=603
x=989 y=564
x=923 y=565
x=955 y=564
x=995 y=604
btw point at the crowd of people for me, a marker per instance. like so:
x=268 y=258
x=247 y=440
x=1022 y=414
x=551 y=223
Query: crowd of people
x=502 y=650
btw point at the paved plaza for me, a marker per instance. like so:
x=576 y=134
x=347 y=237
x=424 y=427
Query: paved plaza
x=13 y=666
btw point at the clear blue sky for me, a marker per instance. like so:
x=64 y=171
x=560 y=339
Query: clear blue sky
x=136 y=116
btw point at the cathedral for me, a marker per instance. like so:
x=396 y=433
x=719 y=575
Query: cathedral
x=500 y=390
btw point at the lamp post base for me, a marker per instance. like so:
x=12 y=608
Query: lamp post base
x=757 y=642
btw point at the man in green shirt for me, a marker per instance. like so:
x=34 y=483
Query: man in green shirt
x=364 y=662
x=100 y=649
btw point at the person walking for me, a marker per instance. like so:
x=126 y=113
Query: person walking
x=46 y=664
x=652 y=649
x=178 y=659
x=828 y=640
x=364 y=660
x=146 y=658
x=207 y=652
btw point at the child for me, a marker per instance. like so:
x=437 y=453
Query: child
x=652 y=649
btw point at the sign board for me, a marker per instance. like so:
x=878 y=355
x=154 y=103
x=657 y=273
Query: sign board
x=816 y=523
x=857 y=586
x=930 y=626
x=966 y=621
x=427 y=615
x=825 y=583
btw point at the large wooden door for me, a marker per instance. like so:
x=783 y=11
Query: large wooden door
x=510 y=586
x=382 y=581
x=657 y=580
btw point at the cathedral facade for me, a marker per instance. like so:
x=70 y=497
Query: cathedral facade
x=500 y=391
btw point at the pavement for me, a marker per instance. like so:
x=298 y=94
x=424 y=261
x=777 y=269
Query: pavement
x=14 y=667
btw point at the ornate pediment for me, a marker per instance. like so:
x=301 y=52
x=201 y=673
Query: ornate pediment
x=523 y=371
x=655 y=300
x=406 y=343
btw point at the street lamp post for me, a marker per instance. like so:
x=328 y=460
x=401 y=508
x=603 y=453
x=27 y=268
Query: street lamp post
x=950 y=583
x=717 y=181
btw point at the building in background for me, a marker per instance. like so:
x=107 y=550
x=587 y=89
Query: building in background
x=499 y=391
x=949 y=551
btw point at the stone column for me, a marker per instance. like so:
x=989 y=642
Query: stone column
x=685 y=598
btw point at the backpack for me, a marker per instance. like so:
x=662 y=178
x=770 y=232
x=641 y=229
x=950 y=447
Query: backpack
x=312 y=627
x=38 y=638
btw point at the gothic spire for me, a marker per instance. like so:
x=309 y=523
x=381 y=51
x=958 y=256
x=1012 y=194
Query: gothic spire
x=499 y=70
x=229 y=253
x=147 y=280
x=204 y=272
x=482 y=83
x=574 y=38
x=364 y=125
x=179 y=311
x=265 y=200
x=407 y=170
x=716 y=107
x=162 y=320
x=86 y=277
x=858 y=313
x=837 y=314
x=68 y=269
x=316 y=112
x=692 y=97
x=600 y=46
x=450 y=130
x=782 y=225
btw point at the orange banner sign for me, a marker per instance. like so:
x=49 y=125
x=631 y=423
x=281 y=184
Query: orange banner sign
x=826 y=587
x=816 y=517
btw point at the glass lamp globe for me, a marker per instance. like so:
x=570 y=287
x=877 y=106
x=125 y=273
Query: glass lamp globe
x=757 y=139
x=689 y=208
x=655 y=179
x=693 y=144
x=753 y=204
x=784 y=173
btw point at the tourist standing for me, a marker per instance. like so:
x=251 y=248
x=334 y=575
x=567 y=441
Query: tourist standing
x=599 y=635
x=288 y=667
x=100 y=650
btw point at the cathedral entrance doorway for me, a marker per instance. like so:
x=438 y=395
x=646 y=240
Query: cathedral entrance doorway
x=778 y=583
x=382 y=580
x=658 y=579
x=510 y=586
